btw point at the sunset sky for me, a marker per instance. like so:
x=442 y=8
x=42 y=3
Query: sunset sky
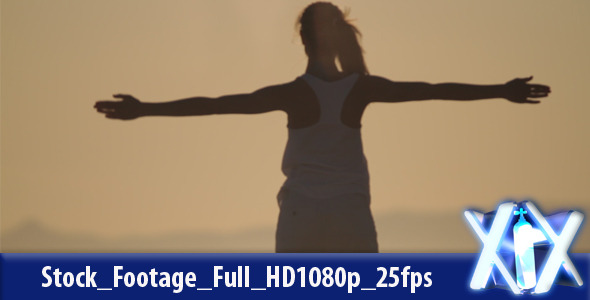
x=69 y=171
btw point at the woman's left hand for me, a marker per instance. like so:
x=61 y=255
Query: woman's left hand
x=127 y=109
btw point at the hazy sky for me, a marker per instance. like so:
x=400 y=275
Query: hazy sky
x=67 y=168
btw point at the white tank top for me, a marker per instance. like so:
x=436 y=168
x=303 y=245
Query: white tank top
x=327 y=159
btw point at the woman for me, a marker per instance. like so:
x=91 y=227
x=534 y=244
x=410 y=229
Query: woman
x=325 y=201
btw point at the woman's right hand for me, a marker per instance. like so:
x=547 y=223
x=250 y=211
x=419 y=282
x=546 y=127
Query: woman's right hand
x=519 y=90
x=126 y=109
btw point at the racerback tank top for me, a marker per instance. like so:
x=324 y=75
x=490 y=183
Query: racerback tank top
x=326 y=159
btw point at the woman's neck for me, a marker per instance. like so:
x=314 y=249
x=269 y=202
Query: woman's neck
x=324 y=68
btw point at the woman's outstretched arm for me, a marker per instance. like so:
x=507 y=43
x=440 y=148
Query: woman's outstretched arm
x=263 y=100
x=517 y=90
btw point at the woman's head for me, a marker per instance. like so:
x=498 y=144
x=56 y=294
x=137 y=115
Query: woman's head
x=326 y=32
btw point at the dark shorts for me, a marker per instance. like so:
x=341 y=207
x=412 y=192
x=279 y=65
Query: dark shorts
x=339 y=224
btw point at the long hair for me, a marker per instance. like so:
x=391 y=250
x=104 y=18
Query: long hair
x=325 y=27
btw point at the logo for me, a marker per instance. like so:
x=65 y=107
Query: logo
x=522 y=249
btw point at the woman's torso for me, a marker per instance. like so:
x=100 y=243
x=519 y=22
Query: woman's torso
x=324 y=154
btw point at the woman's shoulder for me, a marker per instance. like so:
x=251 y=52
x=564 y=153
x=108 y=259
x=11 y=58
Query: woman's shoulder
x=374 y=79
x=290 y=94
x=286 y=87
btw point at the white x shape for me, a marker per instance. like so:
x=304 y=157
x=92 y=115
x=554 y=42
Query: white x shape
x=491 y=242
x=561 y=243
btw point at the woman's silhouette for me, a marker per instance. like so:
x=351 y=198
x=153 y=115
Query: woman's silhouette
x=325 y=201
